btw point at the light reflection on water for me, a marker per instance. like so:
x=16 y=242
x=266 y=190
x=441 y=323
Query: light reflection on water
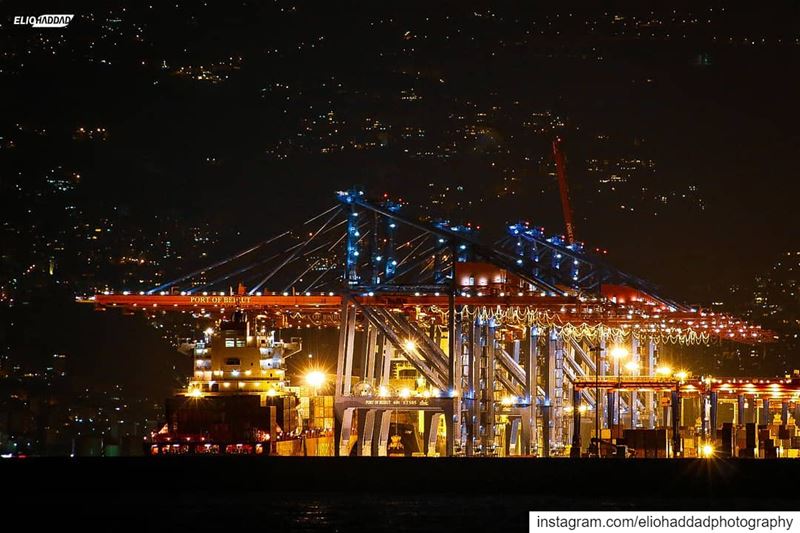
x=376 y=512
x=357 y=512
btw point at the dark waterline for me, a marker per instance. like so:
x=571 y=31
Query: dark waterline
x=375 y=494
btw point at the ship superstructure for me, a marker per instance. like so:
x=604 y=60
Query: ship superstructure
x=238 y=400
x=241 y=357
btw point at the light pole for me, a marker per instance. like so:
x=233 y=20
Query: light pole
x=633 y=368
x=618 y=353
x=596 y=350
x=664 y=371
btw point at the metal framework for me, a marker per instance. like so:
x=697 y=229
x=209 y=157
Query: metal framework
x=498 y=334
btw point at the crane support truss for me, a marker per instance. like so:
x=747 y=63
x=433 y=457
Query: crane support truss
x=504 y=339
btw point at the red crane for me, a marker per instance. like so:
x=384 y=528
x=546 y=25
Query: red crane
x=563 y=187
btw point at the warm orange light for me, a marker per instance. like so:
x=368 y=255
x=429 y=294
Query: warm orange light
x=618 y=352
x=664 y=371
x=315 y=379
x=708 y=451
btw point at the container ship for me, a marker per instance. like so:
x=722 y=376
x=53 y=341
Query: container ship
x=239 y=400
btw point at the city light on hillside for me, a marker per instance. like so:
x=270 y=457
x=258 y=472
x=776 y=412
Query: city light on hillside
x=517 y=235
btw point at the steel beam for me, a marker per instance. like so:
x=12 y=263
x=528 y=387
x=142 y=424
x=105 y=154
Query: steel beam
x=636 y=359
x=575 y=449
x=383 y=434
x=712 y=419
x=366 y=431
x=432 y=432
x=676 y=424
x=348 y=357
x=740 y=419
x=387 y=353
x=345 y=430
x=372 y=346
x=650 y=410
x=342 y=347
x=513 y=438
x=489 y=387
x=529 y=430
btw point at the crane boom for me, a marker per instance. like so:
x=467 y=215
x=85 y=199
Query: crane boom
x=563 y=187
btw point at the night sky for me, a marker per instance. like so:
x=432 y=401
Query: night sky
x=730 y=128
x=707 y=93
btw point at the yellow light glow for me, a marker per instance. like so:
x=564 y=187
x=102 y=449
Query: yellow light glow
x=568 y=409
x=682 y=375
x=618 y=352
x=582 y=408
x=508 y=401
x=708 y=450
x=383 y=391
x=405 y=392
x=631 y=366
x=409 y=345
x=315 y=379
x=195 y=393
x=664 y=371
x=272 y=392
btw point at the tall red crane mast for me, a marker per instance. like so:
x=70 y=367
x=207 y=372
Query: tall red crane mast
x=563 y=187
